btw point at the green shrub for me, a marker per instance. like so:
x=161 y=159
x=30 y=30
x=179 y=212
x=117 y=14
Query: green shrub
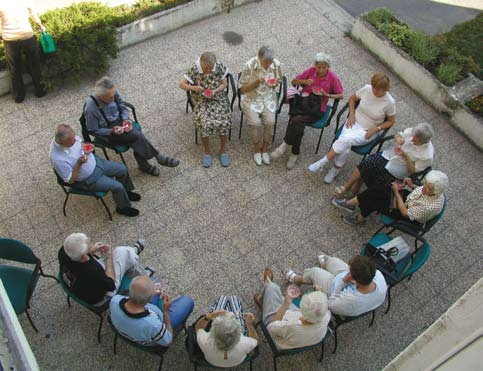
x=449 y=73
x=398 y=33
x=422 y=48
x=476 y=105
x=379 y=16
x=3 y=61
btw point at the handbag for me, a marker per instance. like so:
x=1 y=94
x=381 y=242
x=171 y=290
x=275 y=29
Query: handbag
x=308 y=105
x=47 y=43
x=382 y=257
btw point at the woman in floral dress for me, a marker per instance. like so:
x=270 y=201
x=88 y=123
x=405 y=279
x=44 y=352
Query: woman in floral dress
x=206 y=81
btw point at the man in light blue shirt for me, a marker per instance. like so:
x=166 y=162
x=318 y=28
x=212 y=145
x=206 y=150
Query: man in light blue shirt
x=138 y=319
x=86 y=171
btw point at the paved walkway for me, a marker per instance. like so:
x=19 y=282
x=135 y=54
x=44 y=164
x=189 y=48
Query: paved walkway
x=211 y=232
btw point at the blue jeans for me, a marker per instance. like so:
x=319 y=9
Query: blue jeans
x=109 y=176
x=180 y=310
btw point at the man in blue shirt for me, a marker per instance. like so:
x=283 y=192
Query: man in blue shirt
x=86 y=171
x=137 y=318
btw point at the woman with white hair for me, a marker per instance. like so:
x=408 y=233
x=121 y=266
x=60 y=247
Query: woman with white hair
x=289 y=326
x=225 y=345
x=318 y=80
x=419 y=205
x=414 y=153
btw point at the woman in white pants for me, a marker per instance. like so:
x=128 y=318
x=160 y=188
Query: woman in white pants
x=376 y=112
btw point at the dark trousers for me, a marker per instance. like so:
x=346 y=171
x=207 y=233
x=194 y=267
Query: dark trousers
x=142 y=148
x=295 y=130
x=379 y=199
x=13 y=54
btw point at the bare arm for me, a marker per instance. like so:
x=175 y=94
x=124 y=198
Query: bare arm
x=352 y=110
x=203 y=322
x=283 y=308
x=399 y=202
x=75 y=172
x=35 y=18
x=185 y=85
x=249 y=318
x=411 y=166
x=222 y=86
x=251 y=85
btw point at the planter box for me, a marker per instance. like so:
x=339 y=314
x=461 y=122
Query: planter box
x=420 y=80
x=158 y=24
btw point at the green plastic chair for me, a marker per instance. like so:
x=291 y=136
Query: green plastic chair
x=288 y=352
x=198 y=360
x=19 y=282
x=325 y=120
x=404 y=268
x=98 y=310
x=69 y=189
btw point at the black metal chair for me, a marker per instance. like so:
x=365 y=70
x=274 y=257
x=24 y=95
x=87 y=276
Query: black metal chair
x=102 y=143
x=198 y=360
x=281 y=96
x=338 y=321
x=229 y=88
x=288 y=352
x=70 y=189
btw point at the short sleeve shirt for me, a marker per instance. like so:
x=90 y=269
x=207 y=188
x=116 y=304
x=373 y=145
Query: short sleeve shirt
x=373 y=110
x=330 y=83
x=213 y=80
x=216 y=357
x=264 y=96
x=422 y=208
x=14 y=16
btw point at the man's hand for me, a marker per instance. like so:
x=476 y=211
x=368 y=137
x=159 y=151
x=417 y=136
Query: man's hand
x=82 y=160
x=96 y=247
x=106 y=250
x=370 y=133
x=127 y=126
x=249 y=318
x=166 y=303
x=117 y=130
x=197 y=89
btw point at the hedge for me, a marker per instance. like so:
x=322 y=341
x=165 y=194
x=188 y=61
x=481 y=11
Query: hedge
x=449 y=56
x=85 y=35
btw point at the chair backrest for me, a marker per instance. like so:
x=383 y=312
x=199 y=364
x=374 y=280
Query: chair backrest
x=14 y=250
x=430 y=223
x=418 y=259
x=83 y=124
x=281 y=93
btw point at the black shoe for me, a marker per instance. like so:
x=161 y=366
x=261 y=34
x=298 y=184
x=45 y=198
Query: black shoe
x=139 y=245
x=128 y=211
x=41 y=93
x=133 y=196
x=19 y=99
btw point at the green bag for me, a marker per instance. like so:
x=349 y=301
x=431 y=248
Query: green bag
x=47 y=43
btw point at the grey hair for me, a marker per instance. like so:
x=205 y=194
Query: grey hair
x=208 y=58
x=226 y=331
x=323 y=58
x=141 y=290
x=103 y=85
x=438 y=181
x=423 y=131
x=314 y=306
x=62 y=132
x=76 y=245
x=266 y=54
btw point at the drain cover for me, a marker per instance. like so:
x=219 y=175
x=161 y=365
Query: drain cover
x=232 y=38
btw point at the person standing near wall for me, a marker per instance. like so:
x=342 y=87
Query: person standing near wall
x=19 y=38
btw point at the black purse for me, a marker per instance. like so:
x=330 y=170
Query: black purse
x=382 y=258
x=308 y=105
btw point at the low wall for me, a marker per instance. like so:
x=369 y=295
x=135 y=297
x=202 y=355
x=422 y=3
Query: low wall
x=420 y=80
x=158 y=24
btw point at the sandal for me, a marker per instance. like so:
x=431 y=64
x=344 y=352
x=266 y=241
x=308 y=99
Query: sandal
x=290 y=275
x=139 y=245
x=167 y=161
x=151 y=170
x=341 y=192
x=267 y=275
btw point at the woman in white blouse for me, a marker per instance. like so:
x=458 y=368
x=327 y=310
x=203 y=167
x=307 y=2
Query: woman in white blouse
x=376 y=112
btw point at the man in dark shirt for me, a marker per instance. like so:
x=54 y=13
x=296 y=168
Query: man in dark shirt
x=91 y=278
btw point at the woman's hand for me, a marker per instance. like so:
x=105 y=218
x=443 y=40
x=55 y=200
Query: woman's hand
x=249 y=317
x=308 y=82
x=288 y=299
x=409 y=183
x=196 y=88
x=317 y=288
x=398 y=138
x=395 y=187
x=370 y=133
x=350 y=121
x=211 y=316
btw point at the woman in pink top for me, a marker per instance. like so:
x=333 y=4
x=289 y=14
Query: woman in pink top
x=318 y=80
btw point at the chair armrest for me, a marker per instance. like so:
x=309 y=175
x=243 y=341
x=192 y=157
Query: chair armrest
x=267 y=335
x=232 y=86
x=133 y=109
x=334 y=110
x=283 y=94
x=408 y=227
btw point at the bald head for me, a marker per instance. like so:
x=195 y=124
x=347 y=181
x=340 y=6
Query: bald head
x=141 y=290
x=64 y=135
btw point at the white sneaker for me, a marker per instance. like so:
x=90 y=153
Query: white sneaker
x=257 y=157
x=279 y=151
x=317 y=166
x=333 y=172
x=292 y=159
x=266 y=158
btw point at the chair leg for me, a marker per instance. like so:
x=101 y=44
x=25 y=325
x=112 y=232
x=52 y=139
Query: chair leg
x=187 y=102
x=68 y=301
x=114 y=344
x=251 y=365
x=373 y=317
x=105 y=153
x=107 y=209
x=122 y=158
x=322 y=351
x=241 y=124
x=388 y=300
x=229 y=134
x=65 y=203
x=100 y=327
x=320 y=138
x=161 y=363
x=275 y=363
x=196 y=136
x=30 y=320
x=274 y=128
x=335 y=340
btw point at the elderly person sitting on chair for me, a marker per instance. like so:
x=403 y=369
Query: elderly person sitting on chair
x=147 y=318
x=91 y=278
x=419 y=205
x=413 y=154
x=86 y=171
x=258 y=80
x=207 y=81
x=107 y=118
x=292 y=327
x=376 y=112
x=318 y=80
x=352 y=289
x=225 y=345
